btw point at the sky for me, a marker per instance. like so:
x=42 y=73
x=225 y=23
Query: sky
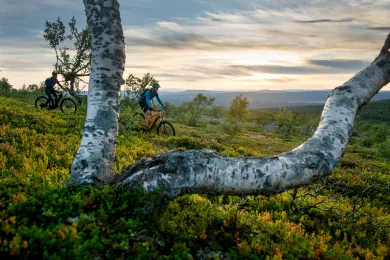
x=232 y=45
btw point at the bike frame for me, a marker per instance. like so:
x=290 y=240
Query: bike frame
x=154 y=118
x=61 y=95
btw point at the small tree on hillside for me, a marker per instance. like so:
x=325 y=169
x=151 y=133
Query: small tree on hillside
x=218 y=112
x=196 y=108
x=262 y=117
x=32 y=87
x=239 y=108
x=72 y=68
x=285 y=120
x=5 y=85
x=134 y=86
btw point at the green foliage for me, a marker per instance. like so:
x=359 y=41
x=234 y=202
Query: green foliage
x=232 y=127
x=5 y=87
x=134 y=86
x=285 y=120
x=218 y=112
x=377 y=112
x=262 y=117
x=193 y=111
x=239 y=108
x=73 y=68
x=345 y=216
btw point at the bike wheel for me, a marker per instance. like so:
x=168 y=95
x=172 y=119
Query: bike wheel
x=40 y=102
x=139 y=121
x=165 y=128
x=68 y=106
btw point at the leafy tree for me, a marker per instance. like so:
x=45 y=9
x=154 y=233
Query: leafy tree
x=5 y=85
x=32 y=87
x=200 y=105
x=232 y=127
x=134 y=86
x=71 y=67
x=285 y=120
x=218 y=112
x=239 y=108
x=262 y=117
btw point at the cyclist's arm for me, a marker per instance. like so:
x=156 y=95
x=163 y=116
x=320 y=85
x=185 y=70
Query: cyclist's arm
x=59 y=84
x=159 y=101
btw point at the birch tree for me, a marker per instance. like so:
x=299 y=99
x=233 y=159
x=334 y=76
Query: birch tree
x=204 y=171
x=94 y=161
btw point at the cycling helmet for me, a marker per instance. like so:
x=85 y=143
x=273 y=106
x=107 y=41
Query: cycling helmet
x=156 y=85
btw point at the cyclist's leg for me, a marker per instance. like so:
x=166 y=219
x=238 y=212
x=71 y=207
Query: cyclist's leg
x=146 y=114
x=49 y=101
x=55 y=97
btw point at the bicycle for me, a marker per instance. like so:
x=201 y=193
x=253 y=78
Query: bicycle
x=67 y=105
x=164 y=127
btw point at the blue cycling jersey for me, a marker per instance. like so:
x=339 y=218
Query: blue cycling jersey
x=149 y=95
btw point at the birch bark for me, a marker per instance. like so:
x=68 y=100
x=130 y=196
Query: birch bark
x=203 y=171
x=94 y=161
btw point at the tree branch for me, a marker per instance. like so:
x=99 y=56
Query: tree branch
x=203 y=171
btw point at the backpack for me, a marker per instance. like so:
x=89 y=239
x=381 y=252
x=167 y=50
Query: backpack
x=142 y=96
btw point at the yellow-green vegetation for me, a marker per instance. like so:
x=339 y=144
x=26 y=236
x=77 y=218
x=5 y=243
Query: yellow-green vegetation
x=345 y=216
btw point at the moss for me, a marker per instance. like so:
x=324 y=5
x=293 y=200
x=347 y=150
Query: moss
x=42 y=218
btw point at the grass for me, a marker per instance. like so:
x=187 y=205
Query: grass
x=345 y=216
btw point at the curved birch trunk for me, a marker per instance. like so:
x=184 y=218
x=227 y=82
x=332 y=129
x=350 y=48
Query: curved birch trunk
x=94 y=161
x=203 y=171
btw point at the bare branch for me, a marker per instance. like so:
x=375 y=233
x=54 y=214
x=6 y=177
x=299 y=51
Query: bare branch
x=386 y=46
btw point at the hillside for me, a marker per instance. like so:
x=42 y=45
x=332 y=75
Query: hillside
x=345 y=216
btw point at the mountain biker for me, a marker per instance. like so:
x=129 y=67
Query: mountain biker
x=144 y=101
x=49 y=88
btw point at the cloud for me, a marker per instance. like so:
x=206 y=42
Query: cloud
x=171 y=26
x=286 y=28
x=326 y=21
x=383 y=28
x=341 y=64
x=292 y=70
x=17 y=65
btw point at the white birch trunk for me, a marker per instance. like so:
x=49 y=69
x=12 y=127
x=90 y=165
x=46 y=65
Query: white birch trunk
x=94 y=161
x=203 y=171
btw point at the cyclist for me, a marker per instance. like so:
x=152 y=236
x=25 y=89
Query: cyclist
x=144 y=101
x=49 y=89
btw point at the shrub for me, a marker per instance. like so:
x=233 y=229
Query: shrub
x=231 y=127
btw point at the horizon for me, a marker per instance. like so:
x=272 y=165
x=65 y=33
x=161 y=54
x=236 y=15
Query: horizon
x=216 y=45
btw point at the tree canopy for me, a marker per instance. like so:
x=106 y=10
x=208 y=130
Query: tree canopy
x=72 y=67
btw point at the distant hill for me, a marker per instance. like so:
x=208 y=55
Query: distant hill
x=258 y=99
x=261 y=99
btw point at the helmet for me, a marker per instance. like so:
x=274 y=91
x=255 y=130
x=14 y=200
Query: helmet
x=156 y=85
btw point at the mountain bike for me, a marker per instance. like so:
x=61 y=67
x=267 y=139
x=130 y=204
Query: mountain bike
x=67 y=105
x=164 y=128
